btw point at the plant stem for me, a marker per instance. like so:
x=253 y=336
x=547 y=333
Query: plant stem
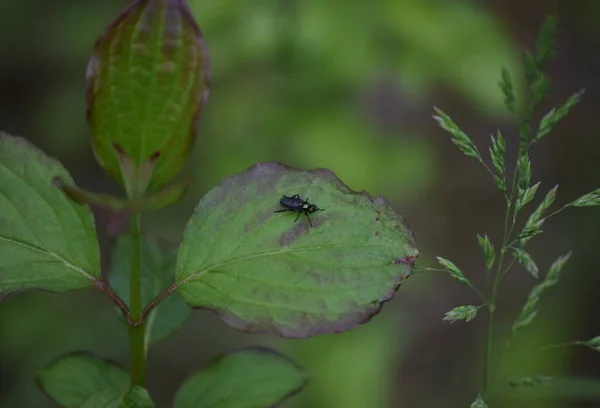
x=137 y=347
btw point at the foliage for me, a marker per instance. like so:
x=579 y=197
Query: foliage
x=517 y=194
x=147 y=82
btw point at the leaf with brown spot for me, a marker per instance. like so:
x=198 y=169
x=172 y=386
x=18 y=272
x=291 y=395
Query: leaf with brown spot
x=263 y=272
x=147 y=81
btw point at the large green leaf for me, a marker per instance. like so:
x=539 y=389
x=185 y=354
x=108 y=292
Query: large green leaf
x=46 y=241
x=147 y=80
x=252 y=378
x=158 y=272
x=115 y=397
x=71 y=379
x=263 y=272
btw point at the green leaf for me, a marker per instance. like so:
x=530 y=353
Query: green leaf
x=593 y=343
x=556 y=115
x=466 y=313
x=479 y=403
x=529 y=311
x=459 y=138
x=158 y=272
x=524 y=168
x=587 y=200
x=147 y=81
x=545 y=47
x=47 y=241
x=535 y=220
x=527 y=261
x=497 y=154
x=70 y=379
x=488 y=250
x=453 y=270
x=525 y=197
x=530 y=381
x=507 y=87
x=115 y=397
x=249 y=378
x=263 y=272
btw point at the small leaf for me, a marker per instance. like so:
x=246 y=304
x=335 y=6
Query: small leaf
x=525 y=197
x=459 y=138
x=466 y=313
x=263 y=272
x=70 y=379
x=479 y=403
x=158 y=272
x=544 y=47
x=488 y=251
x=507 y=87
x=529 y=311
x=535 y=221
x=527 y=261
x=587 y=200
x=593 y=343
x=497 y=153
x=530 y=381
x=115 y=397
x=249 y=378
x=147 y=81
x=556 y=115
x=47 y=241
x=453 y=270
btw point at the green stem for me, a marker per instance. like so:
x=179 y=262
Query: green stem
x=136 y=332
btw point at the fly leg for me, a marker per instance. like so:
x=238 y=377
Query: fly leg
x=281 y=210
x=298 y=216
x=309 y=221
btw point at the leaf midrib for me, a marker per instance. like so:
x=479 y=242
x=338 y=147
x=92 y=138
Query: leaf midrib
x=51 y=254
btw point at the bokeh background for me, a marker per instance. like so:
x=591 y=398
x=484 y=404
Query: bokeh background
x=349 y=85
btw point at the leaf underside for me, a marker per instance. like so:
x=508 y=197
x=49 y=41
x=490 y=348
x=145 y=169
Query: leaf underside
x=147 y=81
x=251 y=378
x=47 y=242
x=263 y=272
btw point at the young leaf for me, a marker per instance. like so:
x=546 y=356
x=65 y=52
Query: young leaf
x=507 y=87
x=453 y=270
x=479 y=403
x=535 y=221
x=497 y=153
x=47 y=241
x=466 y=313
x=544 y=47
x=525 y=197
x=70 y=379
x=527 y=261
x=530 y=381
x=459 y=138
x=529 y=310
x=263 y=272
x=158 y=273
x=556 y=115
x=593 y=343
x=249 y=378
x=587 y=200
x=147 y=80
x=488 y=250
x=115 y=397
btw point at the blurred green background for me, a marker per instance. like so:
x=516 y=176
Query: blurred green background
x=348 y=85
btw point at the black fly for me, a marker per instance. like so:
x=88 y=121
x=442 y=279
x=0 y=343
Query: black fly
x=295 y=203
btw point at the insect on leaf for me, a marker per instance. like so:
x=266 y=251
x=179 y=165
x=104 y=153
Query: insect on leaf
x=47 y=241
x=255 y=377
x=263 y=272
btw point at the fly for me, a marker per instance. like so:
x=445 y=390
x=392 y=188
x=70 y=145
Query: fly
x=295 y=203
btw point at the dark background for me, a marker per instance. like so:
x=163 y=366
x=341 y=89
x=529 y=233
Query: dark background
x=348 y=85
